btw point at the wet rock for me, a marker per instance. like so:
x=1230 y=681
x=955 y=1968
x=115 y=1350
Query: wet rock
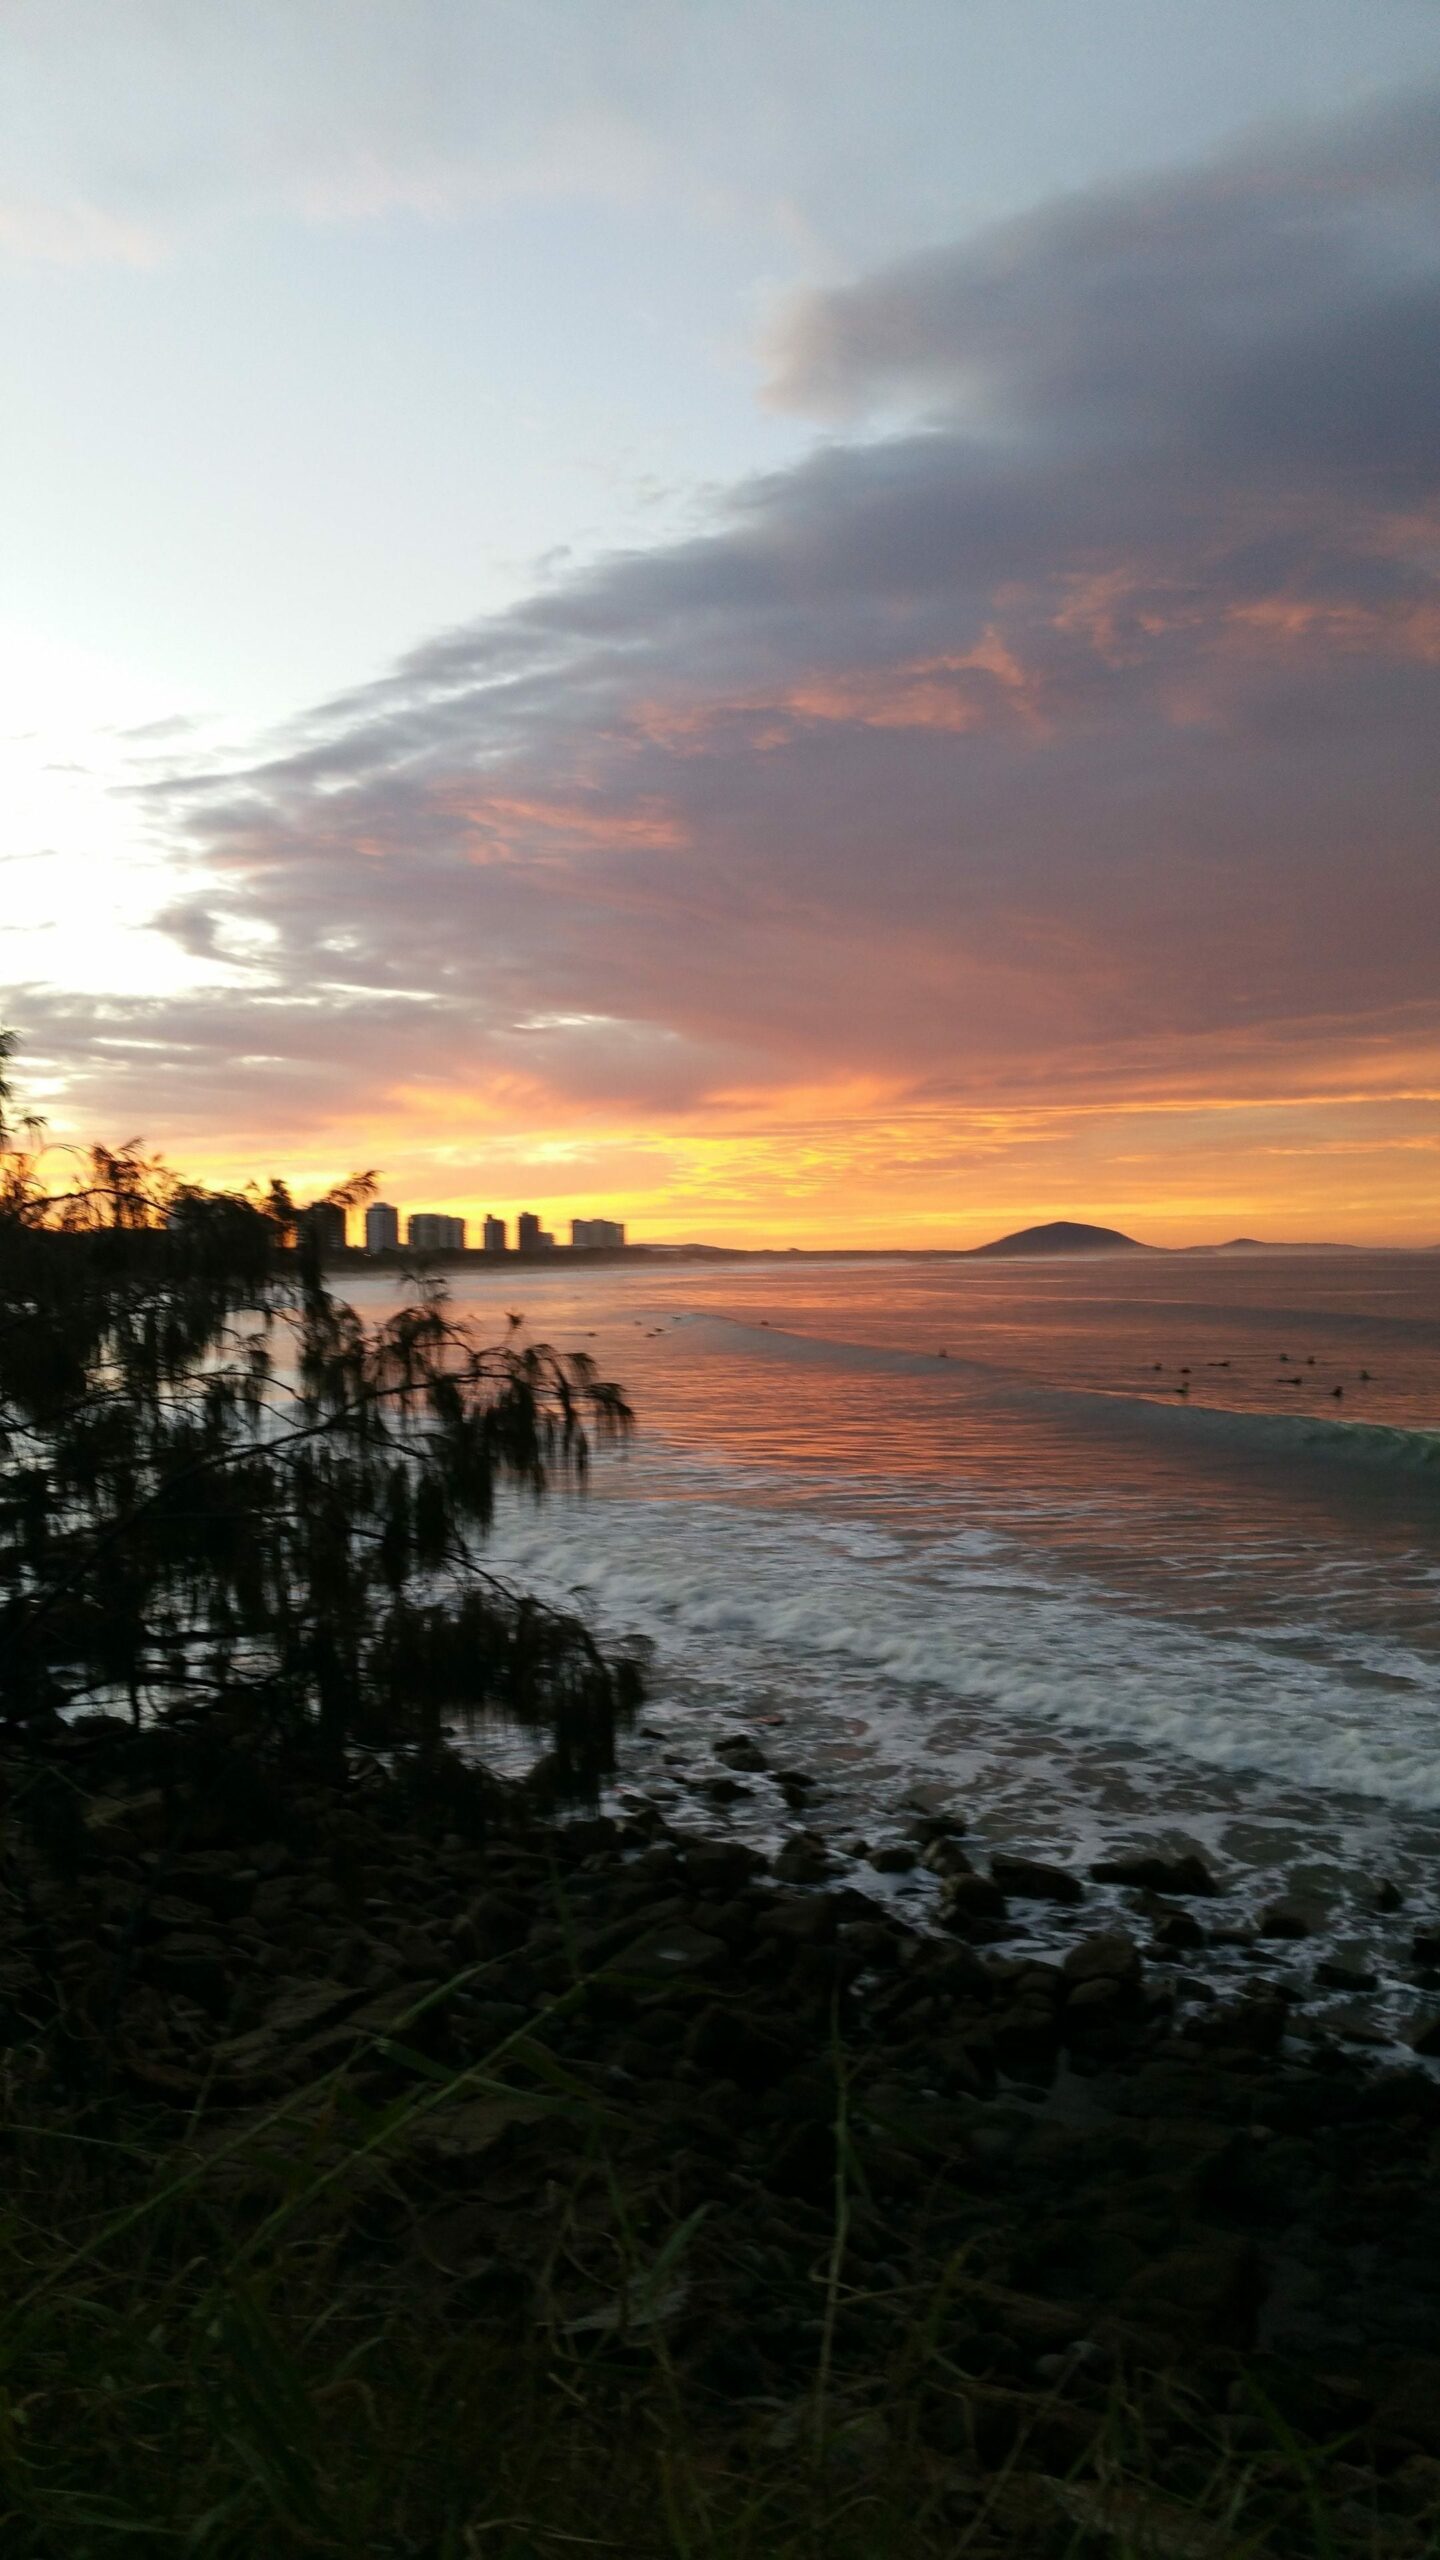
x=1151 y=1871
x=1340 y=1972
x=1387 y=1896
x=944 y=1857
x=1032 y=1880
x=893 y=1858
x=1425 y=1946
x=722 y=1790
x=1425 y=2038
x=741 y=1751
x=804 y=1859
x=1288 y=1918
x=1178 y=1931
x=968 y=1899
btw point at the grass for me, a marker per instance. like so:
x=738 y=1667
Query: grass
x=231 y=2346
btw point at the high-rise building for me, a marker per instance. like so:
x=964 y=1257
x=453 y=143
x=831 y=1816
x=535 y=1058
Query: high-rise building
x=494 y=1233
x=527 y=1232
x=382 y=1227
x=589 y=1234
x=325 y=1221
x=429 y=1231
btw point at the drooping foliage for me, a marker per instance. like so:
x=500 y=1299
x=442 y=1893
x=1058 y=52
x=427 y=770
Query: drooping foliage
x=224 y=1493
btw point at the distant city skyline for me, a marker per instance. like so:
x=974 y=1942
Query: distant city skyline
x=432 y=1231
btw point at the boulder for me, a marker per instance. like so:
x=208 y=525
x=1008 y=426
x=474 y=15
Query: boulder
x=1288 y=1918
x=741 y=1751
x=969 y=1898
x=945 y=1857
x=1109 y=1956
x=720 y=1866
x=1341 y=1972
x=1032 y=1880
x=1153 y=1871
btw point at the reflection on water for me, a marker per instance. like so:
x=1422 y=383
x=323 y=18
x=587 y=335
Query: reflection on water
x=1033 y=1572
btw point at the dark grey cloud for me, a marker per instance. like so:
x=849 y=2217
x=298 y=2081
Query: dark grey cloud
x=1097 y=710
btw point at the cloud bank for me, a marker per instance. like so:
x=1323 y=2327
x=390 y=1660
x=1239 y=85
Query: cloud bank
x=1061 y=736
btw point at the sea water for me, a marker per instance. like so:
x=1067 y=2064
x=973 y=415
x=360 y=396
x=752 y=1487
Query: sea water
x=1089 y=1549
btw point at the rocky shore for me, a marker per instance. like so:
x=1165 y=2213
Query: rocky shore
x=627 y=2084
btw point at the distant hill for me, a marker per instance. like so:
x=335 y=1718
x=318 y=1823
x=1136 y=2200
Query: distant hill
x=1065 y=1235
x=1266 y=1244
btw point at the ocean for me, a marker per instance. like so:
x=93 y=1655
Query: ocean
x=1089 y=1550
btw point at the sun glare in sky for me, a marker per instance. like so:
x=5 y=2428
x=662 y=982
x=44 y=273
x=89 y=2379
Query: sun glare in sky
x=794 y=624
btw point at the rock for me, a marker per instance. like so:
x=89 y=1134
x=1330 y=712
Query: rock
x=1032 y=1880
x=945 y=1857
x=720 y=1866
x=672 y=1950
x=804 y=1859
x=1341 y=1972
x=893 y=1858
x=1093 y=2004
x=1178 y=1930
x=1150 y=1871
x=119 y=1825
x=1425 y=2038
x=1425 y=1946
x=811 y=1923
x=929 y=1824
x=741 y=1751
x=1248 y=2027
x=299 y=2007
x=1026 y=2042
x=169 y=1912
x=189 y=1962
x=220 y=1879
x=722 y=1790
x=729 y=2046
x=1387 y=1896
x=1288 y=1919
x=1109 y=1956
x=1210 y=2287
x=968 y=1898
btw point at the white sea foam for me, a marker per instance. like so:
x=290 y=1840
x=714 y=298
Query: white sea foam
x=901 y=1630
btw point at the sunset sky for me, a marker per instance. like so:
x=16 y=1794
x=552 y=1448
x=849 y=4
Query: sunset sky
x=798 y=621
